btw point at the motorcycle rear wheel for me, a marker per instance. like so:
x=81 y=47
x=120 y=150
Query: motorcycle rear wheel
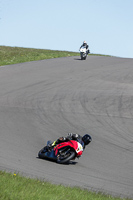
x=62 y=160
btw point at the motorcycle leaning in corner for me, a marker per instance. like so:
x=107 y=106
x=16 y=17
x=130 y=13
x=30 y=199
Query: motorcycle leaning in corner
x=65 y=149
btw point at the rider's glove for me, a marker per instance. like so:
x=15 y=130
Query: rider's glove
x=61 y=139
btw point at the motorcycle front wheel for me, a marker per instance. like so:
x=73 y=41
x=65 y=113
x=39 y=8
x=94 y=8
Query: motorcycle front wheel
x=61 y=158
x=42 y=152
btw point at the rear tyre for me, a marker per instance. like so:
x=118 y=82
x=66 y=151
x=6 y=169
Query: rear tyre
x=61 y=159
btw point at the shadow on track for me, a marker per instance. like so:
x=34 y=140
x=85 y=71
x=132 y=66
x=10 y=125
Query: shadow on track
x=77 y=58
x=68 y=163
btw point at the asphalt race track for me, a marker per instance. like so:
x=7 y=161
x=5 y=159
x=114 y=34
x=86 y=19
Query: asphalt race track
x=43 y=100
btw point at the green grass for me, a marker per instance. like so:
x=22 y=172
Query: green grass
x=13 y=55
x=16 y=187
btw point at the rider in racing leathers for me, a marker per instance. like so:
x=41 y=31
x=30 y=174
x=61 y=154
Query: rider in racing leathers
x=87 y=47
x=85 y=140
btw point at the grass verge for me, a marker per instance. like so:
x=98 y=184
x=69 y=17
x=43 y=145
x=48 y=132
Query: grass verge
x=16 y=187
x=14 y=55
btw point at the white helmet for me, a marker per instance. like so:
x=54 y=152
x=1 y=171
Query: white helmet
x=84 y=42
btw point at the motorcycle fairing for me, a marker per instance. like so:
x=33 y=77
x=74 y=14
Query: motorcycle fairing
x=72 y=143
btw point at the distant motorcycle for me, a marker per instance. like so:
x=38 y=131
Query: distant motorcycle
x=63 y=152
x=83 y=53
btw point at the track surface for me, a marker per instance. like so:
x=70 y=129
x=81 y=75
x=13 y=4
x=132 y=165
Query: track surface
x=46 y=99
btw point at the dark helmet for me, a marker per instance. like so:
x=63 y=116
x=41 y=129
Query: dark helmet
x=86 y=139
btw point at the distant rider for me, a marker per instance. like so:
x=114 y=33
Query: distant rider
x=87 y=47
x=85 y=140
